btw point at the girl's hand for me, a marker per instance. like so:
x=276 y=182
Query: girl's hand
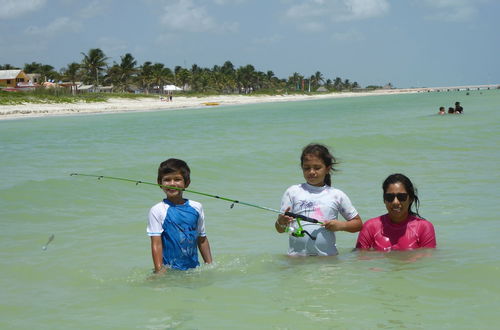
x=282 y=222
x=333 y=225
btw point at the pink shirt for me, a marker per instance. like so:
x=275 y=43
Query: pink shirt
x=382 y=234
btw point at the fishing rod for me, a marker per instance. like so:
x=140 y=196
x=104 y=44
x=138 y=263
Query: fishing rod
x=233 y=201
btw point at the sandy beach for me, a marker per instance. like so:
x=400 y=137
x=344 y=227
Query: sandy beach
x=114 y=105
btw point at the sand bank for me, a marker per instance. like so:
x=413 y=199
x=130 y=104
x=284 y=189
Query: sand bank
x=29 y=110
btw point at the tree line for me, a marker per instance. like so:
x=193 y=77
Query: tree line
x=127 y=75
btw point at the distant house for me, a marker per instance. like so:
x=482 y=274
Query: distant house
x=322 y=89
x=35 y=78
x=10 y=78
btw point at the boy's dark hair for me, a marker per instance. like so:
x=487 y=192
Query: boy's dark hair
x=173 y=165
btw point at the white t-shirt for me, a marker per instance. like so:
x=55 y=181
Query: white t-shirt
x=320 y=203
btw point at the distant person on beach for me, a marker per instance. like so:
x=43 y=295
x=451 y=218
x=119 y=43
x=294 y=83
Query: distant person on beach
x=441 y=111
x=458 y=108
x=451 y=110
x=317 y=199
x=400 y=228
x=176 y=225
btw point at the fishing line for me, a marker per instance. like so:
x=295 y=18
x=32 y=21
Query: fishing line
x=233 y=201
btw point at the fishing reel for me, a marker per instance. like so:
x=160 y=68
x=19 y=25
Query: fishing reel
x=296 y=230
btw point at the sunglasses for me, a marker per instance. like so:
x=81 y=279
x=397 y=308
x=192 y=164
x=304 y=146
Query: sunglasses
x=389 y=197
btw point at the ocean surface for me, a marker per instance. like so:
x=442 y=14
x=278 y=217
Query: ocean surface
x=96 y=273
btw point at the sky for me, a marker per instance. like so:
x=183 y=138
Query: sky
x=408 y=43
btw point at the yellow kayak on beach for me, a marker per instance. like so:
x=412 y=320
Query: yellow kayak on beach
x=211 y=103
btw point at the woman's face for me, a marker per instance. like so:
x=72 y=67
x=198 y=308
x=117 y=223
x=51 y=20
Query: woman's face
x=314 y=170
x=397 y=202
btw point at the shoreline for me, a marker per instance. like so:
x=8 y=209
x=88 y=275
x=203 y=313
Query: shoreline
x=119 y=105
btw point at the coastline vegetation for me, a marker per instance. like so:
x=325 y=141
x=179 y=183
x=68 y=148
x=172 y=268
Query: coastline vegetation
x=128 y=79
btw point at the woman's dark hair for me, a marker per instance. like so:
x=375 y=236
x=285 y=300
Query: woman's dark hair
x=410 y=189
x=321 y=151
x=173 y=165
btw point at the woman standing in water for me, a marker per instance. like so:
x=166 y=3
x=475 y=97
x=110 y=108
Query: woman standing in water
x=400 y=228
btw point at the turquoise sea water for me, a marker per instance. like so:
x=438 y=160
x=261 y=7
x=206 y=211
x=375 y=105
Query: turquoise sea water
x=95 y=273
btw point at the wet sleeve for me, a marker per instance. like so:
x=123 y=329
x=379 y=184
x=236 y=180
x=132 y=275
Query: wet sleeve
x=346 y=208
x=286 y=201
x=155 y=221
x=201 y=222
x=427 y=235
x=365 y=239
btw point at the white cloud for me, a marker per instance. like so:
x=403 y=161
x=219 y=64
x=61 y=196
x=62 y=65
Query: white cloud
x=59 y=25
x=228 y=2
x=362 y=9
x=314 y=15
x=186 y=16
x=452 y=10
x=94 y=8
x=310 y=8
x=16 y=8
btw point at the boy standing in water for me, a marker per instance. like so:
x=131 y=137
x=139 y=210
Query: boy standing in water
x=176 y=225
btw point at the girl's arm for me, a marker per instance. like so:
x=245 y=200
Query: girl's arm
x=157 y=253
x=204 y=248
x=353 y=225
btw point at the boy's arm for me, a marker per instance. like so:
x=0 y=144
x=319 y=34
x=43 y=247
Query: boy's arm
x=204 y=248
x=157 y=253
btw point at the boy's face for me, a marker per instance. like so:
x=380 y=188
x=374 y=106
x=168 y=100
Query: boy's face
x=174 y=179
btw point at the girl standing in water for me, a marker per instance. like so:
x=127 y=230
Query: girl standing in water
x=317 y=199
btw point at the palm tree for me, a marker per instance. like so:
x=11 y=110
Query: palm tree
x=71 y=73
x=337 y=84
x=8 y=67
x=145 y=76
x=94 y=63
x=318 y=79
x=46 y=71
x=182 y=77
x=127 y=70
x=295 y=80
x=161 y=75
x=246 y=77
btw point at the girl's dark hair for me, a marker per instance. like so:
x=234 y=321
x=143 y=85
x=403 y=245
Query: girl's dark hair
x=321 y=151
x=173 y=165
x=410 y=189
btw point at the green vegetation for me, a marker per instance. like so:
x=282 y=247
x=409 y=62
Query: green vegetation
x=59 y=95
x=126 y=77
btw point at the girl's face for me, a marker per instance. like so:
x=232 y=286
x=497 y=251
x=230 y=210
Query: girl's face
x=314 y=170
x=397 y=202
